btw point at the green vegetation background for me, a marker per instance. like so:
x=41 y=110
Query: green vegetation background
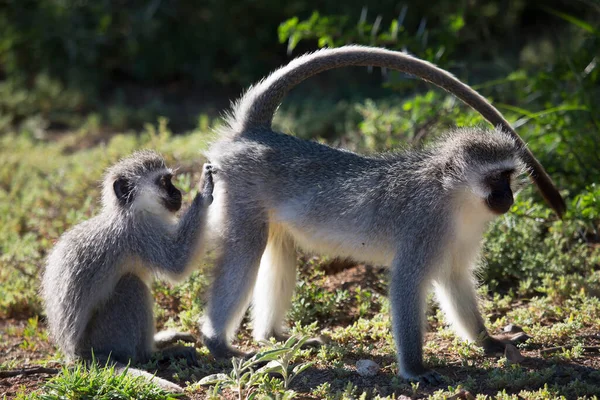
x=83 y=83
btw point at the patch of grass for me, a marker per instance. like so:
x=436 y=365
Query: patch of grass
x=98 y=383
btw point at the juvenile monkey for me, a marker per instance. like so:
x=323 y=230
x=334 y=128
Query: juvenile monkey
x=422 y=213
x=96 y=282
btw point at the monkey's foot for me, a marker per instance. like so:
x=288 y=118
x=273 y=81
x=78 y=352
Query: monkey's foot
x=166 y=338
x=220 y=349
x=426 y=376
x=188 y=353
x=496 y=345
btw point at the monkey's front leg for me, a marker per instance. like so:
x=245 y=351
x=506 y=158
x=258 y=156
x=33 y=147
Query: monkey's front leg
x=407 y=298
x=456 y=295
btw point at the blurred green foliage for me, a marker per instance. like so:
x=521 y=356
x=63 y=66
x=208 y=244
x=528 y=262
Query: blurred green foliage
x=61 y=59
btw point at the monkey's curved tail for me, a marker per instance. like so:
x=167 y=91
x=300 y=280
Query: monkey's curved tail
x=164 y=384
x=256 y=108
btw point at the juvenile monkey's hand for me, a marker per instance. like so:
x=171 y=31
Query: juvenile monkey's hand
x=207 y=184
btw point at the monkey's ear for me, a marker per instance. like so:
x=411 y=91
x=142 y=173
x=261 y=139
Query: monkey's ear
x=123 y=189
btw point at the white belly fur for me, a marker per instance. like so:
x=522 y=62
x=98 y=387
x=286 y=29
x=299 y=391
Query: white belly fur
x=337 y=243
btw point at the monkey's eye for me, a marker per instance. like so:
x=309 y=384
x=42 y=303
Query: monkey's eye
x=164 y=181
x=502 y=176
x=506 y=175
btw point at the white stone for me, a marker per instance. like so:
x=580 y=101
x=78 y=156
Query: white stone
x=367 y=368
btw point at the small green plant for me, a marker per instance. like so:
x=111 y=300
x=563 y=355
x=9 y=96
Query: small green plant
x=312 y=303
x=365 y=299
x=281 y=365
x=247 y=375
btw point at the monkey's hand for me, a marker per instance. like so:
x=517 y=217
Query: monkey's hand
x=207 y=184
x=221 y=350
x=187 y=353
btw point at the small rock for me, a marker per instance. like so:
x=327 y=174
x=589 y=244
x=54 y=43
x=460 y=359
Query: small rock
x=510 y=328
x=512 y=354
x=367 y=368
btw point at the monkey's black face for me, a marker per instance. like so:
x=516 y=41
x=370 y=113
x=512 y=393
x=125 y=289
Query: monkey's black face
x=500 y=198
x=171 y=195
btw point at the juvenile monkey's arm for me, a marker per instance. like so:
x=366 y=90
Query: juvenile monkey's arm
x=171 y=253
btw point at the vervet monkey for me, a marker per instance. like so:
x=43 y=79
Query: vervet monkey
x=96 y=282
x=423 y=213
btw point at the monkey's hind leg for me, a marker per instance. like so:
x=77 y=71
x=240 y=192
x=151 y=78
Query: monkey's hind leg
x=235 y=274
x=167 y=338
x=122 y=331
x=166 y=344
x=124 y=326
x=274 y=287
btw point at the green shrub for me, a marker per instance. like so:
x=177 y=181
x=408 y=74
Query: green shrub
x=530 y=245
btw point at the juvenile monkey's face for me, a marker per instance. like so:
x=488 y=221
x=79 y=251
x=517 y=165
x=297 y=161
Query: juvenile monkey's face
x=154 y=193
x=170 y=195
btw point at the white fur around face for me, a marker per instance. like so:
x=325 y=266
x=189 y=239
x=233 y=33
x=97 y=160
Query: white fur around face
x=472 y=216
x=148 y=201
x=476 y=183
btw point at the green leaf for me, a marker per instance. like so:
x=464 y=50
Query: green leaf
x=456 y=23
x=285 y=28
x=573 y=20
x=301 y=367
x=268 y=355
x=271 y=367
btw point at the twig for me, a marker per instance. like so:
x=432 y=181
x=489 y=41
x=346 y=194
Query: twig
x=28 y=371
x=586 y=349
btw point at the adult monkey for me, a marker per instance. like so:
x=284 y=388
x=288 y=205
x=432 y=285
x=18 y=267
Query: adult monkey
x=422 y=212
